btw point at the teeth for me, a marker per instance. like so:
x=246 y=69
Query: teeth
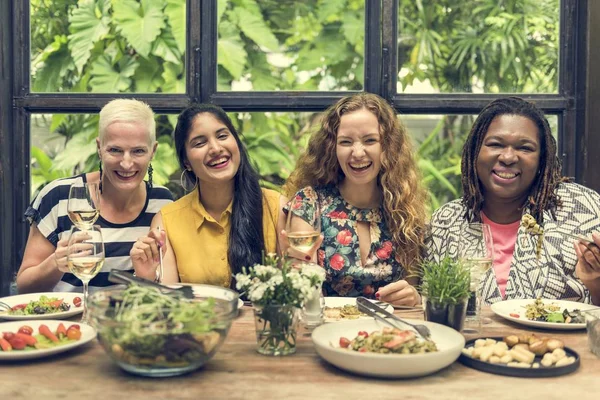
x=219 y=161
x=506 y=175
x=361 y=165
x=126 y=174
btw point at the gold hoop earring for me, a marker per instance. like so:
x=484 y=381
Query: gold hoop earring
x=182 y=182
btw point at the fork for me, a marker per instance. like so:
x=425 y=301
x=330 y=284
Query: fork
x=367 y=307
x=4 y=307
x=160 y=259
x=127 y=278
x=577 y=237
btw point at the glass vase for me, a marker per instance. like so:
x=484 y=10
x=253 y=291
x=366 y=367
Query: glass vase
x=276 y=329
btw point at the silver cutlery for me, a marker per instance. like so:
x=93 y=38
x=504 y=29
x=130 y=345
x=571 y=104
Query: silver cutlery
x=127 y=278
x=383 y=304
x=577 y=237
x=160 y=260
x=367 y=307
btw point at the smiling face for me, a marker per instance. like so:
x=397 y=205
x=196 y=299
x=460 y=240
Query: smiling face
x=358 y=147
x=211 y=150
x=126 y=151
x=509 y=158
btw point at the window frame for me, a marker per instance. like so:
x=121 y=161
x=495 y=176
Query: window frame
x=579 y=88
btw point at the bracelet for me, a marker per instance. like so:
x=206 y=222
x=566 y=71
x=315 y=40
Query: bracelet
x=156 y=276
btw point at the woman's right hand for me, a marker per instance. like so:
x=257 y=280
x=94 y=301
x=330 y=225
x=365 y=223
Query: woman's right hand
x=145 y=254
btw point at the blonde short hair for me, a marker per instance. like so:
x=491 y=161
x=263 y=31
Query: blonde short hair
x=127 y=110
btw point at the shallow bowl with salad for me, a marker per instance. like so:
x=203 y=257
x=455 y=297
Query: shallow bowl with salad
x=368 y=347
x=544 y=313
x=55 y=305
x=152 y=334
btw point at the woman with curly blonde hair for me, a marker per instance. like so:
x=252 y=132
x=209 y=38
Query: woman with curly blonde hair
x=360 y=169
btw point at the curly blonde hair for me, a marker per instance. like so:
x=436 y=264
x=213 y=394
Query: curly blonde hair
x=404 y=198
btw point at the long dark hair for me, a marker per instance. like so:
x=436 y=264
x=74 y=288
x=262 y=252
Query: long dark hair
x=542 y=194
x=246 y=240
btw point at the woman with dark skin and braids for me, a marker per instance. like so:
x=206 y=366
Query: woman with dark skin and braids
x=510 y=169
x=227 y=221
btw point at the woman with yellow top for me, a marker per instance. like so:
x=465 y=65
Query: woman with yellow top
x=225 y=223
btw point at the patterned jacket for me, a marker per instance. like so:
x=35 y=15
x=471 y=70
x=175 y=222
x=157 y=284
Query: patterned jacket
x=553 y=275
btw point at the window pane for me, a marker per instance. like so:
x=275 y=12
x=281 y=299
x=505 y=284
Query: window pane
x=108 y=47
x=438 y=141
x=291 y=45
x=63 y=145
x=478 y=46
x=275 y=141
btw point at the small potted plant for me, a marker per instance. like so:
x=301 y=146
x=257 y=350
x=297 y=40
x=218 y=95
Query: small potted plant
x=278 y=292
x=445 y=291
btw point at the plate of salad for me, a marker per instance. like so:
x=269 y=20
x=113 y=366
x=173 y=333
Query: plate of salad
x=344 y=308
x=56 y=305
x=25 y=340
x=544 y=313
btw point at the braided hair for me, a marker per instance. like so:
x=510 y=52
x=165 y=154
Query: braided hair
x=542 y=193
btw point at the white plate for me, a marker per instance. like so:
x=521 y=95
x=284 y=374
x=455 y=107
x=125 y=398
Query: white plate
x=201 y=290
x=342 y=301
x=326 y=340
x=505 y=308
x=87 y=334
x=26 y=298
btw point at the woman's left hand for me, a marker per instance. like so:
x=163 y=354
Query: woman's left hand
x=400 y=293
x=588 y=260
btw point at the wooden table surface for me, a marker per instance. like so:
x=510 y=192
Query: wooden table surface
x=238 y=372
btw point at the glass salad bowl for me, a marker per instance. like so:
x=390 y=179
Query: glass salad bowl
x=153 y=334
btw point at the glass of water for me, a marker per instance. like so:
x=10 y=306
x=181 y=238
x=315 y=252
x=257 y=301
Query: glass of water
x=477 y=253
x=592 y=319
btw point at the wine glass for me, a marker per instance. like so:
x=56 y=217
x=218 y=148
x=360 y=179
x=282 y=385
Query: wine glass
x=85 y=257
x=83 y=206
x=303 y=225
x=477 y=254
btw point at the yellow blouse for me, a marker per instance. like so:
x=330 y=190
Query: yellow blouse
x=200 y=243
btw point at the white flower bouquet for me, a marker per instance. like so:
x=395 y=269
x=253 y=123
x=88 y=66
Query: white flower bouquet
x=277 y=291
x=277 y=283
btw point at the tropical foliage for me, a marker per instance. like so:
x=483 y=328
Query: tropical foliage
x=138 y=46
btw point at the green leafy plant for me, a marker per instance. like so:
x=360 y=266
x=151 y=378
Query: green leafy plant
x=138 y=46
x=446 y=282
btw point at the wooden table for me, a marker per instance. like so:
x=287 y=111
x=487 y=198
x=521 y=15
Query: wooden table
x=238 y=372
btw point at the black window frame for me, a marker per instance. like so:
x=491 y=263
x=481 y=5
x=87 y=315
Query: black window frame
x=577 y=97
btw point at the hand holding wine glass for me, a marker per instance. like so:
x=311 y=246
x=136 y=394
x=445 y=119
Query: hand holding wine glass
x=303 y=228
x=83 y=206
x=85 y=258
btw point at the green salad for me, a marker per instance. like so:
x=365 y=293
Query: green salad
x=388 y=341
x=44 y=305
x=539 y=311
x=145 y=327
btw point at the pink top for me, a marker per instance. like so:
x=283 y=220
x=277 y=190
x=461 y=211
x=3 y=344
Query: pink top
x=504 y=237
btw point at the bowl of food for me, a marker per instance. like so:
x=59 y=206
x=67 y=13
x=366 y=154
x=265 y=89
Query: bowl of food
x=368 y=347
x=153 y=334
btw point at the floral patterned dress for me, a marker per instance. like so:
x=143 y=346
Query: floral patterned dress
x=339 y=253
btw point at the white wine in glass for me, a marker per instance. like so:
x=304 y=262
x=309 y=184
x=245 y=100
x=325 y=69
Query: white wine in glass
x=303 y=225
x=83 y=207
x=85 y=258
x=303 y=240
